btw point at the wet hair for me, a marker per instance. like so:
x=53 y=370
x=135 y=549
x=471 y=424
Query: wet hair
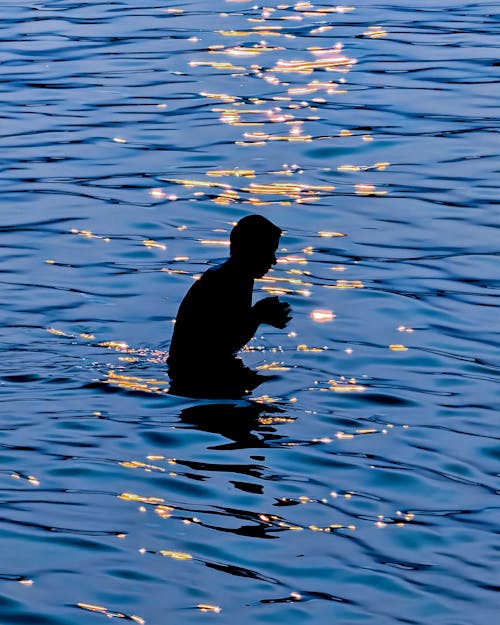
x=252 y=233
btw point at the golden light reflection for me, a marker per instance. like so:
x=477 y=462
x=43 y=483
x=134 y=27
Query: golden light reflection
x=190 y=184
x=22 y=476
x=276 y=291
x=345 y=284
x=175 y=555
x=119 y=345
x=58 y=332
x=375 y=32
x=224 y=97
x=348 y=435
x=275 y=420
x=246 y=51
x=89 y=235
x=150 y=355
x=292 y=281
x=92 y=607
x=308 y=9
x=240 y=173
x=273 y=366
x=312 y=526
x=207 y=607
x=172 y=271
x=382 y=166
x=305 y=348
x=320 y=30
x=344 y=386
x=134 y=383
x=327 y=234
x=398 y=348
x=135 y=464
x=349 y=168
x=164 y=512
x=160 y=194
x=328 y=60
x=149 y=243
x=313 y=87
x=322 y=316
x=102 y=610
x=233 y=117
x=265 y=31
x=218 y=65
x=265 y=399
x=292 y=190
x=260 y=138
x=292 y=260
x=215 y=242
x=140 y=498
x=368 y=189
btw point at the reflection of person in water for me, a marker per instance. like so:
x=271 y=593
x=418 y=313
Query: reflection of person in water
x=216 y=317
x=246 y=424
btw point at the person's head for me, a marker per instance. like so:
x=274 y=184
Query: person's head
x=254 y=241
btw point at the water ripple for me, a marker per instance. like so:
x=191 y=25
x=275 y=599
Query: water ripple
x=358 y=482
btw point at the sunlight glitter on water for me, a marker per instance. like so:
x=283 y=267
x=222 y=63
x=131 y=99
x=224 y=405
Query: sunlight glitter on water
x=358 y=481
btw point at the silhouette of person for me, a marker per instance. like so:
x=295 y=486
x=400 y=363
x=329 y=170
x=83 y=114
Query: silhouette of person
x=216 y=317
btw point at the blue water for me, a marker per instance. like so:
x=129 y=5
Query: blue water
x=359 y=484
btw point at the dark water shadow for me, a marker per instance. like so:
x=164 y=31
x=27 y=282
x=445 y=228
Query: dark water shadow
x=224 y=379
x=246 y=425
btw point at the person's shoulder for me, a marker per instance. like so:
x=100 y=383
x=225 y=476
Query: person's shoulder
x=212 y=273
x=216 y=274
x=212 y=279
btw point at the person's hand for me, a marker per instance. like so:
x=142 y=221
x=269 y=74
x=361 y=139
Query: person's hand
x=273 y=312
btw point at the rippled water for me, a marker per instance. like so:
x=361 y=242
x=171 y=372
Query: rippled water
x=358 y=485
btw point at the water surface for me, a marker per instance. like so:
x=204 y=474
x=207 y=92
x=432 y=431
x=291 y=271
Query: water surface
x=358 y=485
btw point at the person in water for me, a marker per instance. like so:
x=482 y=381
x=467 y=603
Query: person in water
x=216 y=317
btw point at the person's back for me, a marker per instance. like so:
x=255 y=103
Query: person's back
x=212 y=317
x=216 y=317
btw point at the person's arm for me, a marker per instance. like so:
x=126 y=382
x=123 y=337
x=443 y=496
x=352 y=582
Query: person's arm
x=242 y=327
x=271 y=311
